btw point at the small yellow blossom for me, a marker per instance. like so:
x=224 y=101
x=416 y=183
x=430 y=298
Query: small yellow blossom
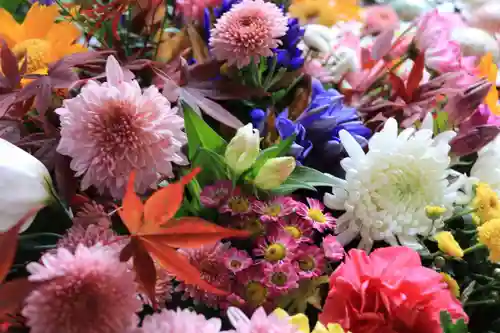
x=452 y=284
x=330 y=328
x=434 y=212
x=302 y=322
x=448 y=244
x=325 y=12
x=486 y=203
x=489 y=235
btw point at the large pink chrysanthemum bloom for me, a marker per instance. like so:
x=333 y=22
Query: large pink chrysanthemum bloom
x=90 y=291
x=180 y=321
x=251 y=29
x=113 y=128
x=388 y=291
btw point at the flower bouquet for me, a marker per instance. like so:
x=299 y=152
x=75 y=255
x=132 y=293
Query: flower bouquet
x=249 y=166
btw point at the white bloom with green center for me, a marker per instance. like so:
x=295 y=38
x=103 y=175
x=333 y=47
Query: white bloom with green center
x=386 y=190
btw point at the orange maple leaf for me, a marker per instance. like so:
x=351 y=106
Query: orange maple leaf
x=155 y=234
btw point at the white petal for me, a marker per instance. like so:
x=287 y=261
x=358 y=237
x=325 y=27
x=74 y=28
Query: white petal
x=428 y=122
x=351 y=146
x=114 y=72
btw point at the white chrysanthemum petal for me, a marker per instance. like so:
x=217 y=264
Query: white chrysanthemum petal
x=428 y=122
x=385 y=196
x=351 y=146
x=487 y=166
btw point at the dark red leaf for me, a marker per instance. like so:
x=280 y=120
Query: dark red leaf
x=398 y=86
x=473 y=140
x=416 y=74
x=65 y=179
x=145 y=270
x=12 y=295
x=9 y=65
x=128 y=251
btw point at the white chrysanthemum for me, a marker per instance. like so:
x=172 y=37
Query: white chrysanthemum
x=387 y=189
x=487 y=166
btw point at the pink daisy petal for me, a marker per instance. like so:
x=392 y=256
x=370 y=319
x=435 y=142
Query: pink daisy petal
x=332 y=248
x=237 y=204
x=237 y=260
x=251 y=288
x=314 y=213
x=275 y=208
x=309 y=261
x=215 y=195
x=297 y=227
x=280 y=277
x=277 y=248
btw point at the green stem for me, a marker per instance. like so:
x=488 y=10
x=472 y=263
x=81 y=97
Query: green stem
x=23 y=237
x=460 y=214
x=474 y=248
x=483 y=302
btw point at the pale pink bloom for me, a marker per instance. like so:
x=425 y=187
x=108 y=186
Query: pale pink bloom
x=194 y=9
x=260 y=322
x=89 y=291
x=275 y=208
x=276 y=248
x=237 y=260
x=251 y=29
x=209 y=260
x=297 y=227
x=280 y=277
x=315 y=214
x=309 y=261
x=380 y=18
x=113 y=128
x=315 y=69
x=215 y=195
x=180 y=321
x=332 y=248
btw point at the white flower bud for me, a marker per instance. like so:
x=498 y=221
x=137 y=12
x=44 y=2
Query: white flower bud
x=243 y=149
x=274 y=172
x=476 y=42
x=319 y=38
x=25 y=183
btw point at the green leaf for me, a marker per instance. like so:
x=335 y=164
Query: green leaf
x=441 y=122
x=200 y=134
x=213 y=167
x=305 y=178
x=449 y=327
x=10 y=5
x=290 y=186
x=274 y=151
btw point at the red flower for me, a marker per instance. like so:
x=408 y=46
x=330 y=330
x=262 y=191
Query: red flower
x=388 y=291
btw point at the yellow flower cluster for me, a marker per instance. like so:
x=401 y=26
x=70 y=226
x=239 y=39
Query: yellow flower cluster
x=325 y=12
x=489 y=235
x=302 y=322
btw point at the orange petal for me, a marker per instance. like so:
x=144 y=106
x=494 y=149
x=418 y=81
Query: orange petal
x=177 y=264
x=163 y=204
x=192 y=232
x=132 y=207
x=10 y=30
x=39 y=21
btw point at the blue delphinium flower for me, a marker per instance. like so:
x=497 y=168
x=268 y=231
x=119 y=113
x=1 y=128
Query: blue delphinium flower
x=317 y=128
x=288 y=55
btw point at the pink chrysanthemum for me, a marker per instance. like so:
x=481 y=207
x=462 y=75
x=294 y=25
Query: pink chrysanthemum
x=251 y=29
x=194 y=9
x=280 y=277
x=210 y=262
x=113 y=128
x=275 y=208
x=315 y=214
x=260 y=322
x=237 y=260
x=237 y=204
x=309 y=261
x=333 y=249
x=297 y=227
x=215 y=195
x=250 y=287
x=277 y=248
x=180 y=321
x=90 y=286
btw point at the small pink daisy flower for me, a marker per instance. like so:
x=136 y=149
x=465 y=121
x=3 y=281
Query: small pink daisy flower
x=297 y=227
x=275 y=208
x=252 y=224
x=89 y=286
x=209 y=260
x=113 y=128
x=260 y=322
x=194 y=9
x=237 y=260
x=215 y=195
x=277 y=248
x=309 y=261
x=332 y=248
x=180 y=321
x=280 y=277
x=250 y=287
x=250 y=30
x=314 y=213
x=237 y=204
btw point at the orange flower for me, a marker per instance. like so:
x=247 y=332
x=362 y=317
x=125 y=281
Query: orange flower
x=488 y=69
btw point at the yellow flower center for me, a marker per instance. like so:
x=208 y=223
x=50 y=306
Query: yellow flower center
x=279 y=279
x=293 y=231
x=273 y=210
x=317 y=215
x=254 y=226
x=239 y=204
x=306 y=264
x=37 y=52
x=255 y=293
x=275 y=252
x=235 y=264
x=489 y=235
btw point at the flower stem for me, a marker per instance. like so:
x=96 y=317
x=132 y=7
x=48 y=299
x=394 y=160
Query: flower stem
x=483 y=302
x=474 y=248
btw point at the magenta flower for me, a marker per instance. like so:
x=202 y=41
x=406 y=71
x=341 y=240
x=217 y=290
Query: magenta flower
x=237 y=204
x=277 y=248
x=275 y=208
x=215 y=195
x=250 y=30
x=237 y=260
x=113 y=128
x=309 y=261
x=297 y=227
x=280 y=277
x=251 y=288
x=315 y=214
x=209 y=260
x=89 y=291
x=333 y=249
x=180 y=321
